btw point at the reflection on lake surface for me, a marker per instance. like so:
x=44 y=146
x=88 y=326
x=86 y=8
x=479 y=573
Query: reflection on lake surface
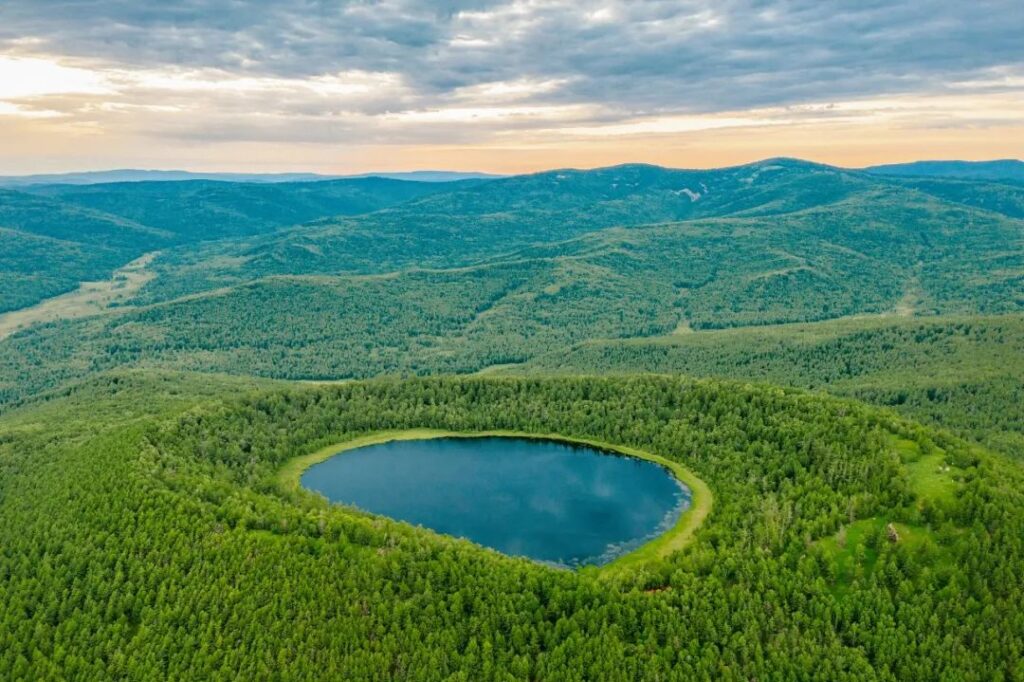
x=550 y=501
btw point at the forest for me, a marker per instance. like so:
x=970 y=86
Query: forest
x=837 y=354
x=481 y=275
x=963 y=373
x=511 y=341
x=181 y=558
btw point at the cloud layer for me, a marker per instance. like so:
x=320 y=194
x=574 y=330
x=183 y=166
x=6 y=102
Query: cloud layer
x=474 y=72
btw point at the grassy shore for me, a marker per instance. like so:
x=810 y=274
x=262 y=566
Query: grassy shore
x=674 y=539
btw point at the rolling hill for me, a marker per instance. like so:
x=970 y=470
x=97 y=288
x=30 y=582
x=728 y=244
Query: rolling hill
x=478 y=276
x=199 y=210
x=95 y=229
x=475 y=279
x=1000 y=196
x=137 y=175
x=492 y=220
x=147 y=533
x=50 y=247
x=1003 y=169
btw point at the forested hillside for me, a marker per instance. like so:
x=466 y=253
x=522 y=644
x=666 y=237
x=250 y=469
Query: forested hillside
x=172 y=535
x=963 y=373
x=1002 y=169
x=621 y=283
x=198 y=210
x=267 y=415
x=56 y=237
x=1002 y=197
x=494 y=219
x=50 y=247
x=476 y=276
x=146 y=533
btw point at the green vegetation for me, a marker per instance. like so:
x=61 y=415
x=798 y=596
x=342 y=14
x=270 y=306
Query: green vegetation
x=1002 y=197
x=740 y=244
x=422 y=322
x=963 y=373
x=49 y=248
x=90 y=298
x=151 y=528
x=881 y=251
x=58 y=236
x=203 y=210
x=1002 y=169
x=568 y=264
x=157 y=543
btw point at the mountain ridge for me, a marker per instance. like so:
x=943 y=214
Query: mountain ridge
x=122 y=175
x=996 y=169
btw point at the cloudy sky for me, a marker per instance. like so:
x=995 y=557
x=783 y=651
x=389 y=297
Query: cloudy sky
x=505 y=86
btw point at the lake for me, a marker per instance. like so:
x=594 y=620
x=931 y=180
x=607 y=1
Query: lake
x=551 y=501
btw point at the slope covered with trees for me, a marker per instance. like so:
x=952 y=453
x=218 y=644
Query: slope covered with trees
x=144 y=538
x=49 y=247
x=492 y=220
x=1002 y=169
x=963 y=373
x=890 y=250
x=489 y=220
x=1002 y=197
x=56 y=237
x=198 y=210
x=145 y=534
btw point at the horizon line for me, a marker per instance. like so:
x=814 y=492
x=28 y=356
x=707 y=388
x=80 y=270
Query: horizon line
x=377 y=173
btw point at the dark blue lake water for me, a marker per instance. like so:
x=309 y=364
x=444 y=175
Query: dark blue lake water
x=550 y=501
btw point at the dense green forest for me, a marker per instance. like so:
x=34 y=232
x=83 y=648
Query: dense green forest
x=144 y=538
x=963 y=373
x=57 y=236
x=860 y=339
x=549 y=272
x=1003 y=197
x=844 y=216
x=198 y=210
x=49 y=247
x=1001 y=169
x=500 y=272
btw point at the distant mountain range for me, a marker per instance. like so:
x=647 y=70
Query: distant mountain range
x=1002 y=169
x=133 y=175
x=362 y=277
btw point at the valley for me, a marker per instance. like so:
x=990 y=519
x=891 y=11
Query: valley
x=811 y=267
x=90 y=298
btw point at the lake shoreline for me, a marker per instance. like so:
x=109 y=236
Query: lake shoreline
x=677 y=537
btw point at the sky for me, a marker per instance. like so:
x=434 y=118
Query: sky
x=504 y=86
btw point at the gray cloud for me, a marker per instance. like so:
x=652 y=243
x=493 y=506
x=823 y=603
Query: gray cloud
x=655 y=55
x=624 y=58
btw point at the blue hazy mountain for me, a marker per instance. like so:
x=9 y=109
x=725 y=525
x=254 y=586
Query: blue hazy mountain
x=135 y=175
x=1001 y=169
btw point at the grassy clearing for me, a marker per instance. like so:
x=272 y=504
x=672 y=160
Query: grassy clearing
x=930 y=476
x=90 y=298
x=854 y=551
x=673 y=540
x=855 y=547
